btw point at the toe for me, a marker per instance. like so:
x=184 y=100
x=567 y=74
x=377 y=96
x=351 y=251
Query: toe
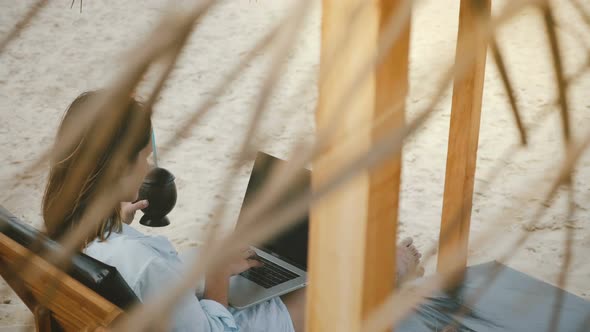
x=420 y=271
x=415 y=255
x=407 y=242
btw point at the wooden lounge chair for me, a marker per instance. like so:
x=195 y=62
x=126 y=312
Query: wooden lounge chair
x=89 y=296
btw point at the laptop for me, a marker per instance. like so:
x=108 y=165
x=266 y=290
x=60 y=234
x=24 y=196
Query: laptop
x=284 y=256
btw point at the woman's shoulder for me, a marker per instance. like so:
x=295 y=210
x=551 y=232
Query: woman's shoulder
x=121 y=250
x=131 y=252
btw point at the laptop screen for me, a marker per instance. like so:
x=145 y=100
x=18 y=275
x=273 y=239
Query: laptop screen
x=290 y=245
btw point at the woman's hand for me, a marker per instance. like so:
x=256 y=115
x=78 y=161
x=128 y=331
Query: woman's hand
x=128 y=209
x=246 y=260
x=217 y=284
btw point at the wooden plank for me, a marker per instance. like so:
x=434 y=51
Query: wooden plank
x=352 y=232
x=463 y=136
x=21 y=291
x=391 y=89
x=42 y=319
x=72 y=304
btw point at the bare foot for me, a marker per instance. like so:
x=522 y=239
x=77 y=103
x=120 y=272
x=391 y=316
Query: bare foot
x=408 y=259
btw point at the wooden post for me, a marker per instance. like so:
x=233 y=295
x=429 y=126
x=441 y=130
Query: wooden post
x=74 y=306
x=42 y=319
x=384 y=187
x=463 y=135
x=353 y=231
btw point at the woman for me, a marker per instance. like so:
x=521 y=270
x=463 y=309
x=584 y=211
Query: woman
x=148 y=263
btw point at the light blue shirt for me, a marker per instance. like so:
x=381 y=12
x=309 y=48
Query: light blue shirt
x=150 y=263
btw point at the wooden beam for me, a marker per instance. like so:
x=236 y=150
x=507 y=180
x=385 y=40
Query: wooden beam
x=74 y=306
x=42 y=319
x=391 y=88
x=463 y=134
x=19 y=288
x=353 y=231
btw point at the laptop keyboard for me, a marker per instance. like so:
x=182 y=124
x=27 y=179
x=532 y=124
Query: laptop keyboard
x=268 y=275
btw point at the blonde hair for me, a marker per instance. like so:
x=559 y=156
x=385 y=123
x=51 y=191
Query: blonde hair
x=62 y=217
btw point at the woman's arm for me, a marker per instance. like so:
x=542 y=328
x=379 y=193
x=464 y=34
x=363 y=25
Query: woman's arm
x=189 y=314
x=217 y=284
x=216 y=288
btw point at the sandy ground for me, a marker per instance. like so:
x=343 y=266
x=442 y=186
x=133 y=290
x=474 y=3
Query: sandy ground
x=65 y=52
